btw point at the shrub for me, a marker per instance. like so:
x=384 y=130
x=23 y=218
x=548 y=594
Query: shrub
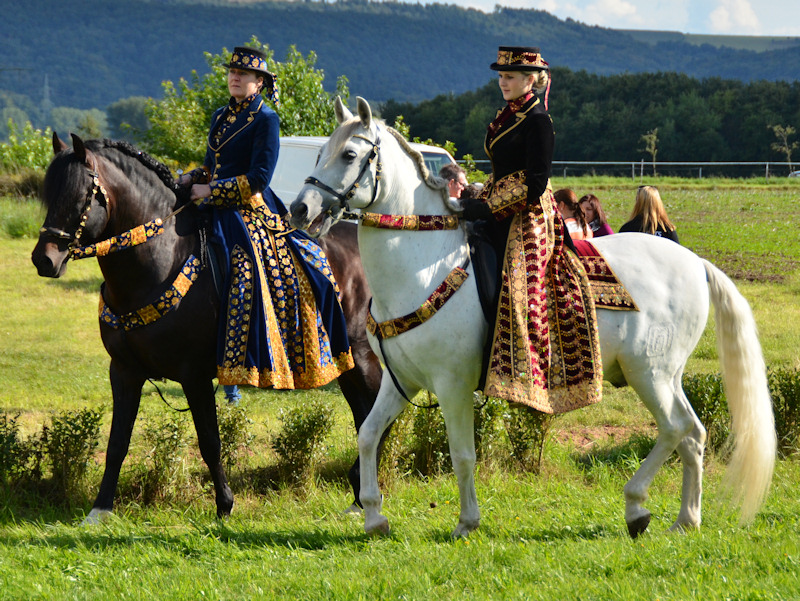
x=784 y=387
x=707 y=397
x=234 y=433
x=527 y=431
x=166 y=438
x=69 y=443
x=487 y=416
x=429 y=451
x=305 y=427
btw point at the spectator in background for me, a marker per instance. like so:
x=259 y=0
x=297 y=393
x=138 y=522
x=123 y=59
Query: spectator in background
x=595 y=215
x=571 y=211
x=456 y=178
x=649 y=215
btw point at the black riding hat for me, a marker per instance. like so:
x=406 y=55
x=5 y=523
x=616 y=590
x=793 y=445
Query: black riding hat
x=250 y=59
x=519 y=58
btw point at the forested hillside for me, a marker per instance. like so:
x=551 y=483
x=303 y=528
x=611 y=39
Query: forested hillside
x=602 y=118
x=95 y=52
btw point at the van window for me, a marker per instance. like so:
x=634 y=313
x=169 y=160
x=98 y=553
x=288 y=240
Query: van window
x=434 y=161
x=295 y=164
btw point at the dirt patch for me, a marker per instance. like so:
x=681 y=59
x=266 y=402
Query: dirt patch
x=586 y=437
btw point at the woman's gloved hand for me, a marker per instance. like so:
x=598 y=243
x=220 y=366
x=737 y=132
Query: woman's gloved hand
x=475 y=209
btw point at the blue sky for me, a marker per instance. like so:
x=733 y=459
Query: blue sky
x=733 y=17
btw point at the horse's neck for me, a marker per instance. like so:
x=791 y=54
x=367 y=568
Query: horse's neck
x=132 y=274
x=404 y=267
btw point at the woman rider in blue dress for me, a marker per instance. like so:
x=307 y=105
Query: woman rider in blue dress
x=281 y=323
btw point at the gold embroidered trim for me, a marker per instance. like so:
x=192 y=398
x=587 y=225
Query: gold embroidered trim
x=166 y=303
x=421 y=223
x=437 y=299
x=509 y=195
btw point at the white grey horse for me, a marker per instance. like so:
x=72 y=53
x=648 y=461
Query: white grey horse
x=366 y=164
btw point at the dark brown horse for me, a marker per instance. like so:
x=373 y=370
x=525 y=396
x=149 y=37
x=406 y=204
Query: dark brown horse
x=102 y=189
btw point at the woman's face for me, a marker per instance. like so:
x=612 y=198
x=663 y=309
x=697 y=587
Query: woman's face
x=514 y=84
x=242 y=83
x=588 y=211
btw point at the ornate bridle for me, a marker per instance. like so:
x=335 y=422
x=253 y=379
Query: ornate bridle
x=133 y=237
x=345 y=196
x=91 y=195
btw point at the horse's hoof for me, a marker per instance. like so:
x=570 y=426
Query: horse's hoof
x=639 y=525
x=682 y=528
x=354 y=509
x=379 y=528
x=464 y=530
x=224 y=507
x=97 y=516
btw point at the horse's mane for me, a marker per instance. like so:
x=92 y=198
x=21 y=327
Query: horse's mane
x=345 y=131
x=100 y=147
x=151 y=163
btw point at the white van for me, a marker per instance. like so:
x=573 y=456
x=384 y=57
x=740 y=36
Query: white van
x=298 y=157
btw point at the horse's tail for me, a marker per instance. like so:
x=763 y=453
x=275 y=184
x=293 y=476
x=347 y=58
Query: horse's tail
x=745 y=380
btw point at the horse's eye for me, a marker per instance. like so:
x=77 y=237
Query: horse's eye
x=350 y=155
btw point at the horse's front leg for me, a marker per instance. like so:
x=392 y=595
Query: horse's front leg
x=126 y=388
x=360 y=387
x=457 y=408
x=387 y=407
x=200 y=396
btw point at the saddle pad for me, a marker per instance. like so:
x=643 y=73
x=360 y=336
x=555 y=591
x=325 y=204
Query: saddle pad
x=607 y=291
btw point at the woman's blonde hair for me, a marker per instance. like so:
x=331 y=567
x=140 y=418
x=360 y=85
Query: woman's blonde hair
x=648 y=204
x=540 y=79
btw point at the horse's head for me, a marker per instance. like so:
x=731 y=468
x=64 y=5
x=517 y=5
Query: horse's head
x=76 y=202
x=347 y=174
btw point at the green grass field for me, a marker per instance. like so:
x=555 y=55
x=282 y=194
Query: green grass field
x=556 y=535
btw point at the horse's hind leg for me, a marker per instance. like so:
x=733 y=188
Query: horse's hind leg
x=126 y=389
x=674 y=422
x=200 y=396
x=387 y=407
x=691 y=450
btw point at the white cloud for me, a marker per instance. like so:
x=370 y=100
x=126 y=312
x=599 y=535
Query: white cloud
x=734 y=16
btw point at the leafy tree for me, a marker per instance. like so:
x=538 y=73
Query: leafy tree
x=783 y=145
x=179 y=122
x=127 y=119
x=88 y=124
x=650 y=140
x=12 y=114
x=27 y=147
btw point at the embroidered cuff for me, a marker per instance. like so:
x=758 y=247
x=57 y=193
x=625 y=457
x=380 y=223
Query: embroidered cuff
x=234 y=193
x=508 y=195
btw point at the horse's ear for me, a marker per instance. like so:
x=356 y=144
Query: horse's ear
x=58 y=144
x=78 y=148
x=342 y=112
x=364 y=112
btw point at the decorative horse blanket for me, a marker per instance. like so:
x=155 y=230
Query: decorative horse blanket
x=607 y=291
